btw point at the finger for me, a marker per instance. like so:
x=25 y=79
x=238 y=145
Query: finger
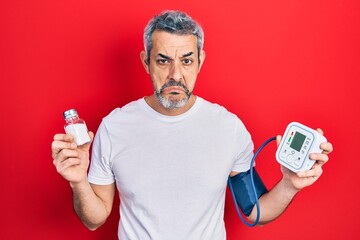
x=278 y=140
x=57 y=146
x=91 y=135
x=63 y=137
x=314 y=172
x=326 y=147
x=65 y=154
x=86 y=146
x=319 y=130
x=319 y=157
x=70 y=162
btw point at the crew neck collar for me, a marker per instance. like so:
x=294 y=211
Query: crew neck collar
x=166 y=118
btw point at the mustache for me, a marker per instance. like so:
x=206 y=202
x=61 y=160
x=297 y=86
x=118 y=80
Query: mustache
x=173 y=83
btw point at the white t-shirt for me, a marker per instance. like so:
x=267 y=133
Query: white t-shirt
x=171 y=171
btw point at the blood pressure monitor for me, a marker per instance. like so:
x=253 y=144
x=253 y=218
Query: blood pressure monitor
x=293 y=153
x=296 y=145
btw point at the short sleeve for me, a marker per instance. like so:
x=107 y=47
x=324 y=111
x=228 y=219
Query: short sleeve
x=245 y=148
x=100 y=171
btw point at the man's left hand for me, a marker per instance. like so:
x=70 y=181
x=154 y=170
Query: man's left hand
x=304 y=179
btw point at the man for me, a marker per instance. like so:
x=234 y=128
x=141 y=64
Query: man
x=170 y=154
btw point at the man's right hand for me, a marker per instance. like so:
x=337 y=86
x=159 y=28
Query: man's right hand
x=71 y=161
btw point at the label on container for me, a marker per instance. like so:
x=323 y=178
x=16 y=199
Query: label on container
x=79 y=132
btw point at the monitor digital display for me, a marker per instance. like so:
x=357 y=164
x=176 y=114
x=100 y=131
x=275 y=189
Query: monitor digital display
x=297 y=141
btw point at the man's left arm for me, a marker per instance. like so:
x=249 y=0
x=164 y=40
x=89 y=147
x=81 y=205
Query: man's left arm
x=274 y=202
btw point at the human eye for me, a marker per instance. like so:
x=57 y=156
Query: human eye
x=162 y=61
x=187 y=61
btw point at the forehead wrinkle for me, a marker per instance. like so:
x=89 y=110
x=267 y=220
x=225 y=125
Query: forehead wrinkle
x=173 y=45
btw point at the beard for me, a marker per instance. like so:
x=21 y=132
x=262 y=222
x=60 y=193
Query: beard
x=173 y=102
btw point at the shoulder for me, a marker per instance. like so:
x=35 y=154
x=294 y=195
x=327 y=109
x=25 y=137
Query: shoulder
x=124 y=112
x=218 y=111
x=226 y=122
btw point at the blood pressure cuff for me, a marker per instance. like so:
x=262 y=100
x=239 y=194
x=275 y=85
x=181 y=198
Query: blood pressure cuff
x=244 y=192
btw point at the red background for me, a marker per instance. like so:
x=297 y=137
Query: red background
x=269 y=62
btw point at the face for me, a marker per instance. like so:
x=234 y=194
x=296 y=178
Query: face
x=173 y=67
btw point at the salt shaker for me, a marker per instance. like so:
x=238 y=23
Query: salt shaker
x=76 y=127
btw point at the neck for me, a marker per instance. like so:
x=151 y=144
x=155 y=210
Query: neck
x=154 y=103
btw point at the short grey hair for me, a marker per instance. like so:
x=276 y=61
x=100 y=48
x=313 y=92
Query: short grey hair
x=174 y=22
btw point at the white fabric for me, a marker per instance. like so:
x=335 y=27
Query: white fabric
x=171 y=172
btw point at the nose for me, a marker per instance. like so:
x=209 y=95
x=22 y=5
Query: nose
x=175 y=72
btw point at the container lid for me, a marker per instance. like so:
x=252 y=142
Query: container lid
x=70 y=113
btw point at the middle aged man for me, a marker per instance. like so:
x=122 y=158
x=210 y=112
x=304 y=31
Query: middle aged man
x=170 y=154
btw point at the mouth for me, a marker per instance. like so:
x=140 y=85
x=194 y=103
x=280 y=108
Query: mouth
x=173 y=90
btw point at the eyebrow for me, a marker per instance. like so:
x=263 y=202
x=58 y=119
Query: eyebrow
x=169 y=58
x=188 y=54
x=164 y=56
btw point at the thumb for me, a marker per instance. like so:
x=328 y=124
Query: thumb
x=91 y=135
x=86 y=147
x=278 y=140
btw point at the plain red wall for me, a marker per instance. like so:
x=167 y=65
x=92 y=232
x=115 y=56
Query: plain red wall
x=269 y=62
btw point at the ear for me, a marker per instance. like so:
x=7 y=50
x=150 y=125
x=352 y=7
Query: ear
x=144 y=61
x=202 y=58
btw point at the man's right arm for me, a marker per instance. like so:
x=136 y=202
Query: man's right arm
x=92 y=203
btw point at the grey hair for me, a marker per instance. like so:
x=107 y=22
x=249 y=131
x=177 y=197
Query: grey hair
x=174 y=22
